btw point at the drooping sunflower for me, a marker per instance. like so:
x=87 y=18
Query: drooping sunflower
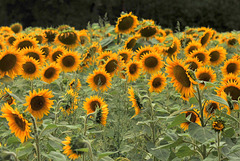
x=205 y=38
x=35 y=53
x=194 y=45
x=218 y=125
x=152 y=62
x=30 y=68
x=50 y=72
x=46 y=50
x=10 y=63
x=99 y=80
x=103 y=56
x=205 y=74
x=157 y=82
x=16 y=122
x=193 y=63
x=136 y=103
x=202 y=55
x=65 y=27
x=83 y=37
x=56 y=53
x=231 y=66
x=71 y=104
x=68 y=38
x=25 y=42
x=177 y=70
x=102 y=114
x=210 y=107
x=142 y=51
x=126 y=23
x=194 y=117
x=131 y=42
x=75 y=84
x=39 y=103
x=92 y=103
x=217 y=55
x=16 y=27
x=148 y=31
x=125 y=55
x=232 y=42
x=173 y=49
x=133 y=70
x=5 y=95
x=49 y=35
x=112 y=65
x=69 y=61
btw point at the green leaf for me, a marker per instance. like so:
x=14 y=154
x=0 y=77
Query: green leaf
x=82 y=149
x=228 y=132
x=107 y=158
x=107 y=41
x=13 y=140
x=48 y=129
x=199 y=133
x=101 y=155
x=125 y=148
x=171 y=144
x=220 y=113
x=193 y=100
x=56 y=156
x=178 y=120
x=184 y=151
x=24 y=150
x=162 y=154
x=217 y=99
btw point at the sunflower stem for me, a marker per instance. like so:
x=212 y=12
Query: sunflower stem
x=31 y=82
x=85 y=123
x=218 y=146
x=36 y=138
x=200 y=105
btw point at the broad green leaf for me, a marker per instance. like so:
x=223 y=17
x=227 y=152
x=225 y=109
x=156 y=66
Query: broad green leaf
x=56 y=156
x=48 y=129
x=178 y=120
x=220 y=113
x=162 y=154
x=24 y=150
x=199 y=133
x=184 y=151
x=13 y=140
x=106 y=41
x=217 y=99
x=170 y=144
x=101 y=155
x=107 y=158
x=228 y=132
x=125 y=148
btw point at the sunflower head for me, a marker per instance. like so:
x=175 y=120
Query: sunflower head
x=131 y=42
x=151 y=62
x=56 y=53
x=157 y=82
x=64 y=27
x=205 y=74
x=50 y=72
x=218 y=125
x=6 y=96
x=193 y=63
x=210 y=107
x=101 y=115
x=193 y=117
x=113 y=65
x=92 y=103
x=133 y=70
x=217 y=55
x=232 y=42
x=30 y=68
x=126 y=23
x=125 y=55
x=202 y=55
x=194 y=45
x=34 y=53
x=49 y=35
x=231 y=66
x=148 y=31
x=10 y=40
x=23 y=42
x=46 y=50
x=136 y=101
x=173 y=49
x=205 y=38
x=70 y=102
x=68 y=38
x=69 y=61
x=83 y=37
x=16 y=27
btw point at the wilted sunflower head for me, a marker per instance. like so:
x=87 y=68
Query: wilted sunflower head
x=16 y=27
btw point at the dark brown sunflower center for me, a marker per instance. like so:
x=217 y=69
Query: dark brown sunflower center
x=148 y=31
x=56 y=54
x=29 y=68
x=94 y=105
x=214 y=56
x=68 y=38
x=232 y=41
x=126 y=23
x=193 y=116
x=233 y=91
x=191 y=49
x=124 y=57
x=39 y=38
x=231 y=68
x=172 y=50
x=200 y=56
x=50 y=72
x=68 y=61
x=100 y=79
x=37 y=103
x=45 y=51
x=11 y=39
x=132 y=68
x=205 y=39
x=33 y=55
x=16 y=28
x=131 y=43
x=192 y=65
x=8 y=62
x=111 y=66
x=20 y=123
x=212 y=107
x=157 y=82
x=142 y=53
x=24 y=44
x=204 y=77
x=181 y=76
x=151 y=62
x=50 y=36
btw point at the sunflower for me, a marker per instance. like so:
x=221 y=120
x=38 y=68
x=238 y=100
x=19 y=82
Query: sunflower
x=72 y=146
x=231 y=89
x=71 y=102
x=92 y=103
x=10 y=62
x=168 y=31
x=202 y=55
x=125 y=55
x=161 y=33
x=5 y=95
x=103 y=56
x=83 y=37
x=190 y=31
x=210 y=107
x=34 y=53
x=50 y=72
x=230 y=78
x=112 y=65
x=236 y=56
x=2 y=45
x=152 y=62
x=91 y=52
x=30 y=68
x=56 y=53
x=75 y=84
x=68 y=38
x=16 y=27
x=69 y=61
x=65 y=27
x=99 y=80
x=177 y=70
x=185 y=40
x=205 y=38
x=49 y=35
x=205 y=74
x=193 y=63
x=102 y=114
x=46 y=50
x=126 y=23
x=148 y=31
x=16 y=122
x=217 y=55
x=173 y=49
x=231 y=66
x=135 y=99
x=194 y=117
x=157 y=82
x=10 y=40
x=232 y=42
x=6 y=30
x=142 y=51
x=131 y=42
x=133 y=70
x=25 y=42
x=218 y=125
x=194 y=45
x=39 y=103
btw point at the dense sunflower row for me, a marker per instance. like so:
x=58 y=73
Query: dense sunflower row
x=196 y=57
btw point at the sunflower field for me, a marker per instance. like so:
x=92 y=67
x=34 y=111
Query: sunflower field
x=132 y=91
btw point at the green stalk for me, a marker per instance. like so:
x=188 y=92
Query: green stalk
x=36 y=138
x=200 y=105
x=218 y=146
